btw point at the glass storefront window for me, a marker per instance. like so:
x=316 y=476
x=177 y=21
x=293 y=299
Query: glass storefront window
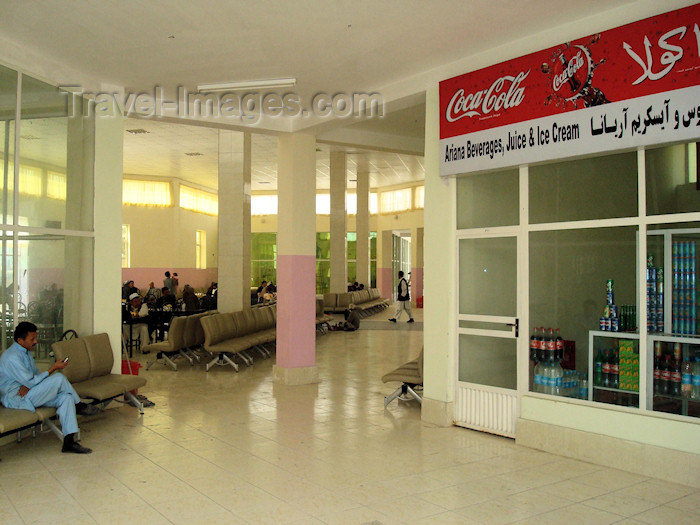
x=8 y=100
x=323 y=245
x=610 y=184
x=323 y=276
x=671 y=179
x=570 y=272
x=263 y=255
x=488 y=200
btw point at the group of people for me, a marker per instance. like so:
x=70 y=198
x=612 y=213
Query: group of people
x=355 y=287
x=266 y=292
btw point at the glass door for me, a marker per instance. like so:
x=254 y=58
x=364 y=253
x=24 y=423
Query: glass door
x=488 y=333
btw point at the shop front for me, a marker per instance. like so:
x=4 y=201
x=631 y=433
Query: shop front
x=577 y=242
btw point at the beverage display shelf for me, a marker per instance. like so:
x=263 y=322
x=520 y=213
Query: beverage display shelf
x=614 y=335
x=676 y=398
x=616 y=390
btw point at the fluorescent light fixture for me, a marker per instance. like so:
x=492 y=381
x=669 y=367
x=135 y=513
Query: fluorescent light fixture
x=249 y=84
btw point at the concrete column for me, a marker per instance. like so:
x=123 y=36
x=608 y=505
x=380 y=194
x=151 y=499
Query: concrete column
x=362 y=227
x=439 y=291
x=78 y=251
x=339 y=259
x=385 y=281
x=296 y=260
x=416 y=263
x=234 y=220
x=107 y=223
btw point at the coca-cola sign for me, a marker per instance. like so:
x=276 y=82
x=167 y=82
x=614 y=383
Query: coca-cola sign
x=654 y=55
x=495 y=98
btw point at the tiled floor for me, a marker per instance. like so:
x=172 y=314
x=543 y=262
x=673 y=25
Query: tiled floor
x=222 y=447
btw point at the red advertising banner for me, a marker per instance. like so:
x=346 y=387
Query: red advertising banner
x=652 y=56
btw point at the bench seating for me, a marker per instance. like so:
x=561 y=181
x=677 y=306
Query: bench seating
x=16 y=420
x=367 y=302
x=90 y=370
x=229 y=335
x=411 y=377
x=323 y=321
x=171 y=347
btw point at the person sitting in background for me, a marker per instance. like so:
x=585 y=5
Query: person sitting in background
x=361 y=287
x=128 y=289
x=153 y=294
x=353 y=321
x=261 y=291
x=270 y=293
x=166 y=300
x=190 y=299
x=136 y=317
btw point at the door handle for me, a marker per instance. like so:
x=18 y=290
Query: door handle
x=516 y=324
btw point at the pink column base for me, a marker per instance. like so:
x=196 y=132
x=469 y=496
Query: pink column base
x=416 y=283
x=296 y=311
x=385 y=282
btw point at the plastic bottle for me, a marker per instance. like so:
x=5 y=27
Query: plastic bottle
x=542 y=353
x=598 y=369
x=687 y=378
x=696 y=380
x=676 y=379
x=539 y=379
x=606 y=369
x=614 y=369
x=665 y=383
x=583 y=387
x=547 y=379
x=657 y=367
x=534 y=344
x=558 y=376
x=559 y=344
x=550 y=344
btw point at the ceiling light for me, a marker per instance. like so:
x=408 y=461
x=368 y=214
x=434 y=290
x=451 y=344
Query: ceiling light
x=29 y=137
x=249 y=84
x=139 y=131
x=263 y=182
x=194 y=154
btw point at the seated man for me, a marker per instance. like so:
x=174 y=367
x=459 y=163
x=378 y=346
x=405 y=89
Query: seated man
x=166 y=300
x=352 y=320
x=136 y=318
x=23 y=386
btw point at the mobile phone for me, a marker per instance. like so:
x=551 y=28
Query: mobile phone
x=65 y=359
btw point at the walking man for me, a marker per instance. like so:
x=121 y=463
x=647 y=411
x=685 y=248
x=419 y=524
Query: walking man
x=403 y=301
x=23 y=386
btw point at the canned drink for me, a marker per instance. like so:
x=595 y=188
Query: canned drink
x=610 y=298
x=613 y=311
x=614 y=324
x=608 y=324
x=602 y=324
x=609 y=285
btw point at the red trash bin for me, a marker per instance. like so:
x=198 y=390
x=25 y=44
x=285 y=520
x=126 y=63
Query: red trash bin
x=131 y=368
x=419 y=302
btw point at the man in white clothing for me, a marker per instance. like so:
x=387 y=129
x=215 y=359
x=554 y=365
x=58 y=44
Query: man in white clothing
x=403 y=300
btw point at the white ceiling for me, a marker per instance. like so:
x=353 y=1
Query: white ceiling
x=162 y=152
x=339 y=46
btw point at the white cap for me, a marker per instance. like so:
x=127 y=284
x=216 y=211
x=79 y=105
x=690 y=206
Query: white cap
x=134 y=296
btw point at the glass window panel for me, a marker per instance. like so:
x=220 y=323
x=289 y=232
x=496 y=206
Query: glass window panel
x=568 y=274
x=7 y=289
x=420 y=197
x=373 y=204
x=372 y=245
x=262 y=271
x=323 y=204
x=671 y=179
x=488 y=200
x=46 y=126
x=263 y=246
x=352 y=246
x=373 y=273
x=488 y=276
x=323 y=245
x=396 y=201
x=8 y=100
x=351 y=203
x=323 y=276
x=352 y=271
x=489 y=361
x=263 y=205
x=198 y=201
x=610 y=184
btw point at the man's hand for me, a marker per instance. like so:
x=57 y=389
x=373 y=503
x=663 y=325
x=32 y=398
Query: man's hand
x=58 y=365
x=23 y=391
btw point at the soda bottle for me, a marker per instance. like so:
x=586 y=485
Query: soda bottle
x=614 y=369
x=665 y=383
x=687 y=378
x=695 y=394
x=534 y=344
x=598 y=369
x=550 y=344
x=676 y=378
x=542 y=354
x=657 y=367
x=559 y=344
x=558 y=377
x=606 y=369
x=583 y=387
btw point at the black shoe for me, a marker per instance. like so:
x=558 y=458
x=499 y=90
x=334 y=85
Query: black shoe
x=410 y=320
x=392 y=320
x=83 y=409
x=70 y=445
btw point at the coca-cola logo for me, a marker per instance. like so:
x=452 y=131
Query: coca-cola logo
x=569 y=73
x=506 y=92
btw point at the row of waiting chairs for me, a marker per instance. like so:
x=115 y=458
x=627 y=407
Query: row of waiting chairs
x=185 y=340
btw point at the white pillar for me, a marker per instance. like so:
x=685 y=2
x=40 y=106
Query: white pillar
x=339 y=259
x=107 y=223
x=234 y=221
x=296 y=260
x=439 y=288
x=362 y=227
